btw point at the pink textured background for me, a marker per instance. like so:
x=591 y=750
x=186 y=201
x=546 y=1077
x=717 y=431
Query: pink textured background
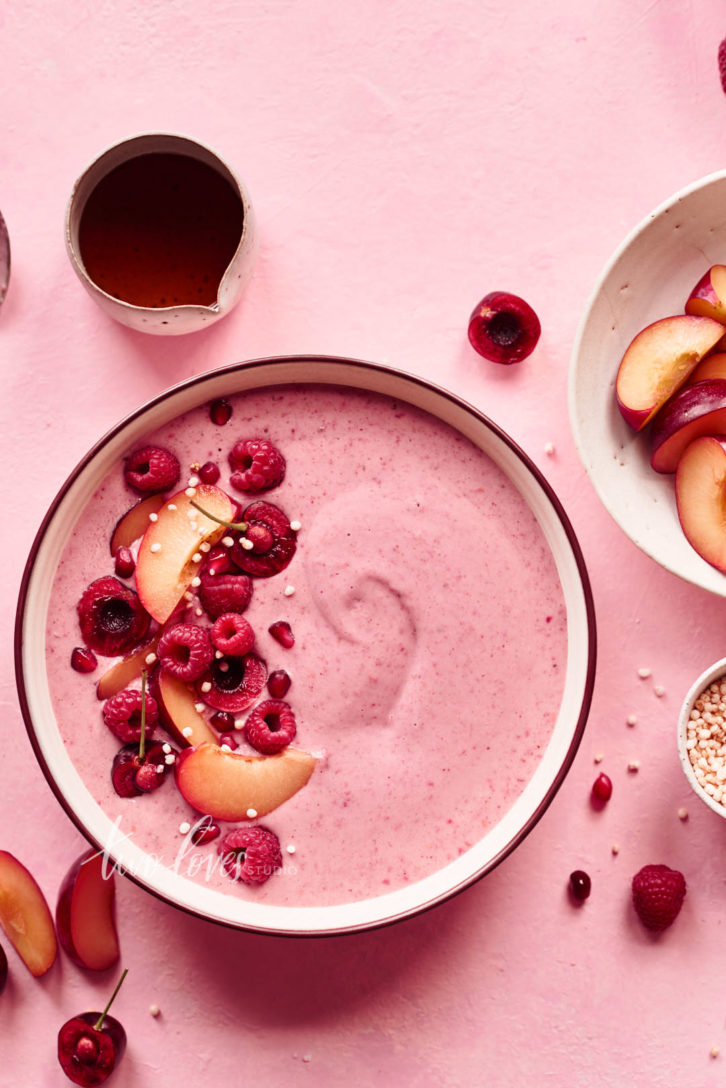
x=404 y=159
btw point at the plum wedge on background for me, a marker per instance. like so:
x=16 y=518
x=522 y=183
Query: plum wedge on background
x=85 y=913
x=25 y=917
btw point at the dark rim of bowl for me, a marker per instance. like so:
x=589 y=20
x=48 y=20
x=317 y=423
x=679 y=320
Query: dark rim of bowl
x=528 y=464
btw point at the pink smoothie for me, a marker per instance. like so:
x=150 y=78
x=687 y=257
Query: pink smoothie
x=430 y=643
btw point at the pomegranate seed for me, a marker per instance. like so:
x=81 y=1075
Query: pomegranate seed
x=282 y=633
x=123 y=563
x=218 y=560
x=278 y=684
x=83 y=660
x=222 y=720
x=602 y=788
x=209 y=473
x=220 y=412
x=206 y=832
x=580 y=884
x=230 y=740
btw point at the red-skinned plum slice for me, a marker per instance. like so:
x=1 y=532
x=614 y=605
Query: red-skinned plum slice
x=694 y=411
x=708 y=297
x=701 y=498
x=658 y=362
x=25 y=917
x=85 y=913
x=228 y=785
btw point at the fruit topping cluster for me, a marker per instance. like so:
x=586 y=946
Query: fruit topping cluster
x=189 y=662
x=672 y=381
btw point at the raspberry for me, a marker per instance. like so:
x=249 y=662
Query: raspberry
x=278 y=684
x=270 y=727
x=220 y=411
x=185 y=651
x=273 y=541
x=112 y=617
x=722 y=64
x=256 y=465
x=250 y=854
x=150 y=469
x=236 y=683
x=658 y=894
x=209 y=473
x=122 y=715
x=220 y=593
x=232 y=635
x=83 y=660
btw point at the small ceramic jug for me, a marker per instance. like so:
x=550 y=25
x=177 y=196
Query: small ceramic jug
x=164 y=319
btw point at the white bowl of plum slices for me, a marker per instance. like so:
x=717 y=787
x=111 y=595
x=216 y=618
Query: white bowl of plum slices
x=270 y=642
x=648 y=385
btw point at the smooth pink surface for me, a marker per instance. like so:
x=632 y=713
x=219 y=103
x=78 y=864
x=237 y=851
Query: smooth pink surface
x=403 y=160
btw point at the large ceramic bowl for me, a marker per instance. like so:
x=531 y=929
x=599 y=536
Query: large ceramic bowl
x=649 y=276
x=230 y=908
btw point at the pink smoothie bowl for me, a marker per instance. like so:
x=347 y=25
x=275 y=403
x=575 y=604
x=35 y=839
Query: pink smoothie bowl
x=228 y=909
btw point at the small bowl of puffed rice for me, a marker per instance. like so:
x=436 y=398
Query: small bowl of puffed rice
x=702 y=737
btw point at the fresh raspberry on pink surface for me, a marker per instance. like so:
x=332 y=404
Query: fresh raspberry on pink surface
x=250 y=854
x=256 y=465
x=270 y=727
x=111 y=617
x=150 y=469
x=232 y=635
x=658 y=894
x=185 y=651
x=122 y=715
x=273 y=541
x=722 y=64
x=220 y=593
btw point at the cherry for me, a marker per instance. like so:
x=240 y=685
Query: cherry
x=135 y=770
x=602 y=788
x=580 y=885
x=504 y=328
x=91 y=1045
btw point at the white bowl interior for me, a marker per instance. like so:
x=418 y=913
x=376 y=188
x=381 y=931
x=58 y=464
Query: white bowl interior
x=650 y=276
x=715 y=672
x=229 y=909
